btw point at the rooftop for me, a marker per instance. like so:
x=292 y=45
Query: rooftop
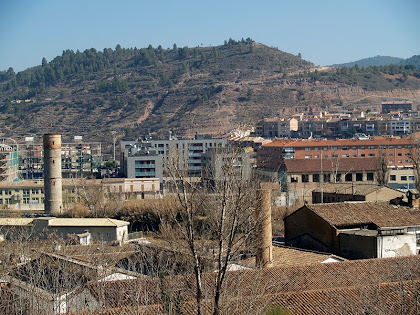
x=381 y=214
x=338 y=142
x=259 y=282
x=85 y=222
x=330 y=165
x=289 y=256
x=354 y=189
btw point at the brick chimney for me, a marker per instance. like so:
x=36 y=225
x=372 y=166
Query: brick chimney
x=264 y=257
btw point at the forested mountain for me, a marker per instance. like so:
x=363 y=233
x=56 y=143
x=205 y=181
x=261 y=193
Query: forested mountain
x=202 y=89
x=415 y=60
x=382 y=61
x=372 y=61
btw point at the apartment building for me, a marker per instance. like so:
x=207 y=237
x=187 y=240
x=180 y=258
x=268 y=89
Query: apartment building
x=396 y=151
x=188 y=151
x=79 y=159
x=29 y=195
x=9 y=161
x=388 y=107
x=277 y=127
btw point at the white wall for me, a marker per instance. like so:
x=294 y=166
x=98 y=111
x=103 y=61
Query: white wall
x=396 y=245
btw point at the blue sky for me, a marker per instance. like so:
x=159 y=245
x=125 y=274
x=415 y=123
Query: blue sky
x=324 y=32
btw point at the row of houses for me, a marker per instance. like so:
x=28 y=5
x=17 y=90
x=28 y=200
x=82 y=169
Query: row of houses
x=333 y=125
x=29 y=195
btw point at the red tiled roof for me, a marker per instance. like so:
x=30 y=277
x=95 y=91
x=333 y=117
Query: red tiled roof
x=338 y=142
x=252 y=283
x=330 y=165
x=381 y=214
x=397 y=297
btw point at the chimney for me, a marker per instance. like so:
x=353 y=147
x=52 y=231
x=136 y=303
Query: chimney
x=264 y=257
x=52 y=174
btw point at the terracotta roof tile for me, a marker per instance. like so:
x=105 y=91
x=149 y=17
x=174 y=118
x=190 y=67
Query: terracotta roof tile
x=381 y=214
x=355 y=189
x=338 y=142
x=385 y=298
x=330 y=165
x=252 y=283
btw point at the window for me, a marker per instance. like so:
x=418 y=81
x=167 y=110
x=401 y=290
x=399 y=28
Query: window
x=369 y=176
x=305 y=178
x=371 y=154
x=393 y=177
x=334 y=148
x=327 y=178
x=362 y=148
x=344 y=148
x=399 y=161
x=315 y=178
x=338 y=177
x=326 y=156
x=325 y=148
x=391 y=147
x=354 y=155
x=293 y=179
x=399 y=147
x=348 y=177
x=308 y=156
x=307 y=149
x=391 y=154
x=359 y=177
x=354 y=148
x=316 y=156
x=334 y=155
x=399 y=154
x=390 y=162
x=362 y=155
x=403 y=177
x=345 y=155
x=371 y=147
x=410 y=177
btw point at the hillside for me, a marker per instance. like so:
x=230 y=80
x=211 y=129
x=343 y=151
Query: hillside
x=415 y=60
x=372 y=61
x=204 y=89
x=382 y=61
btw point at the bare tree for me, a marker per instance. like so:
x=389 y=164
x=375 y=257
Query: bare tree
x=381 y=168
x=216 y=216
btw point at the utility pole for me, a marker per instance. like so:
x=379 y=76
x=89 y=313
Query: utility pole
x=113 y=136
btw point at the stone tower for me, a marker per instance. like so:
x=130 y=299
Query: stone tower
x=52 y=173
